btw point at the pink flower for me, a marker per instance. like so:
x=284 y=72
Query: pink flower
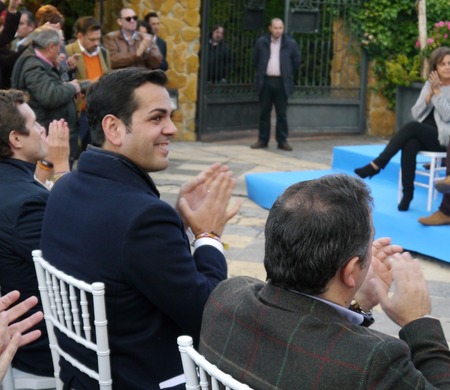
x=417 y=43
x=430 y=41
x=445 y=36
x=441 y=23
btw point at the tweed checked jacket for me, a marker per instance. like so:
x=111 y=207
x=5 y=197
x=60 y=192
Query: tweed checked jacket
x=270 y=338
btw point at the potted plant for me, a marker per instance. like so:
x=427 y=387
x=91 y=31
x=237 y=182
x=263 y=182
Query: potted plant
x=388 y=32
x=409 y=75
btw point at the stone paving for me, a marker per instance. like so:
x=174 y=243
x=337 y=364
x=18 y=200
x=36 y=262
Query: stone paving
x=245 y=232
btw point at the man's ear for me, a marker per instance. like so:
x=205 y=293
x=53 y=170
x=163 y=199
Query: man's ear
x=15 y=139
x=114 y=129
x=350 y=272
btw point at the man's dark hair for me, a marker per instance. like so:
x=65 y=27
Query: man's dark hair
x=86 y=24
x=114 y=94
x=314 y=228
x=10 y=118
x=146 y=25
x=150 y=15
x=30 y=17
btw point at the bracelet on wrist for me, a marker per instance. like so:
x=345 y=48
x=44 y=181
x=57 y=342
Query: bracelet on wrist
x=212 y=235
x=59 y=175
x=45 y=165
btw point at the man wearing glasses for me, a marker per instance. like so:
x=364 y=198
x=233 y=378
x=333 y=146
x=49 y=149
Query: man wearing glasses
x=128 y=47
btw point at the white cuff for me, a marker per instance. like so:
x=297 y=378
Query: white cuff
x=208 y=241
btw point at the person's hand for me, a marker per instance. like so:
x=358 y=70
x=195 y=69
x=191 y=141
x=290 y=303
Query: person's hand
x=72 y=61
x=195 y=190
x=410 y=298
x=203 y=202
x=144 y=45
x=58 y=148
x=14 y=5
x=381 y=250
x=76 y=85
x=11 y=337
x=435 y=82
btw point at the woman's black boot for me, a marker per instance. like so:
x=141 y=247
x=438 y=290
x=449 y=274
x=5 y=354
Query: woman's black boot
x=406 y=200
x=367 y=171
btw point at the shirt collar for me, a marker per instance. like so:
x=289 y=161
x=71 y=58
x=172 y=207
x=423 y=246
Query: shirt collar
x=275 y=40
x=351 y=316
x=133 y=37
x=41 y=57
x=84 y=51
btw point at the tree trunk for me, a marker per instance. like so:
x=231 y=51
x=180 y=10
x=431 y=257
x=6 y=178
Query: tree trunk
x=422 y=19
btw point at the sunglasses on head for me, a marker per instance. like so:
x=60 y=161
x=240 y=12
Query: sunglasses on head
x=130 y=18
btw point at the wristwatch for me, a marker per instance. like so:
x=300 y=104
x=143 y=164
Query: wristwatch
x=46 y=163
x=368 y=318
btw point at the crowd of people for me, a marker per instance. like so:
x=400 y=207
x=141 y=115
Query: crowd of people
x=104 y=221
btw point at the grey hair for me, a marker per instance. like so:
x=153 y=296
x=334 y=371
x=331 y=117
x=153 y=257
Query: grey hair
x=44 y=36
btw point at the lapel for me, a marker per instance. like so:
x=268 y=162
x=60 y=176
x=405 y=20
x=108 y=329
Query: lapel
x=74 y=48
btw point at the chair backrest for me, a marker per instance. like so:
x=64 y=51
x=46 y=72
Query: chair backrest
x=208 y=376
x=66 y=307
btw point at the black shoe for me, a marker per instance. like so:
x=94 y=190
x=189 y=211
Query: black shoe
x=259 y=145
x=406 y=200
x=367 y=171
x=286 y=147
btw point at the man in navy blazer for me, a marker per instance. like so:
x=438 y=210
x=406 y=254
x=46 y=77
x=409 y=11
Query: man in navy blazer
x=118 y=231
x=306 y=328
x=23 y=198
x=152 y=19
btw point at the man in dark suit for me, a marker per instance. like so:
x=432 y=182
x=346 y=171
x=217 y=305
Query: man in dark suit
x=302 y=329
x=152 y=19
x=276 y=58
x=118 y=231
x=22 y=145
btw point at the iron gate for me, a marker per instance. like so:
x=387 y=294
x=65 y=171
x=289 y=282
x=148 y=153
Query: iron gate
x=330 y=85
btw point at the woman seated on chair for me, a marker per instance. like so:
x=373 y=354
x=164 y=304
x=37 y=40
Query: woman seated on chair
x=430 y=131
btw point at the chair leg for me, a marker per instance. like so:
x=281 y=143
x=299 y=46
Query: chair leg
x=431 y=181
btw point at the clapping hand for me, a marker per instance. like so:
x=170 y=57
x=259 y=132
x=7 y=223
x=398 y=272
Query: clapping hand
x=203 y=202
x=435 y=82
x=379 y=269
x=409 y=299
x=11 y=335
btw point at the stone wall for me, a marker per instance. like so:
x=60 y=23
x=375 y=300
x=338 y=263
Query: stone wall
x=380 y=120
x=343 y=72
x=180 y=28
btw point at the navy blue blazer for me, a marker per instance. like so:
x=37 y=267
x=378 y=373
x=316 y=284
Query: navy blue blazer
x=162 y=46
x=22 y=207
x=105 y=222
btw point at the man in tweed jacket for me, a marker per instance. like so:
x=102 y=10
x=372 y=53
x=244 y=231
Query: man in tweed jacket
x=296 y=332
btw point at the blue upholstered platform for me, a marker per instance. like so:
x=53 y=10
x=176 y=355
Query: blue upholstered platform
x=264 y=188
